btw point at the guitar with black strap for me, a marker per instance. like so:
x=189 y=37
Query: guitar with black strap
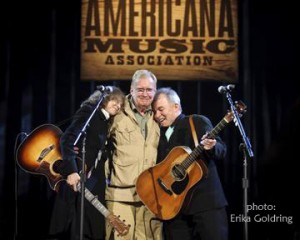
x=163 y=188
x=40 y=153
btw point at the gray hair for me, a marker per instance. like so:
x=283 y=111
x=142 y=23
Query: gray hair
x=142 y=73
x=171 y=95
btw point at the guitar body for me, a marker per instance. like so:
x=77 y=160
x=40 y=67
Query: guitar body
x=163 y=188
x=40 y=150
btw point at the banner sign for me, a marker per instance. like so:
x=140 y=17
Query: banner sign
x=175 y=39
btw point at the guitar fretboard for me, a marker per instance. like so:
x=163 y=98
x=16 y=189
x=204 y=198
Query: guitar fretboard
x=95 y=202
x=198 y=150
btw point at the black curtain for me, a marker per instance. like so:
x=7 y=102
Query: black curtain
x=40 y=83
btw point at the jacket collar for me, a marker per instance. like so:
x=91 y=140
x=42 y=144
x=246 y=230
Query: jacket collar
x=180 y=116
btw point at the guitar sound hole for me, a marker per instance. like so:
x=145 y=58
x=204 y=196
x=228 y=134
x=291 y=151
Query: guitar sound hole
x=57 y=166
x=178 y=172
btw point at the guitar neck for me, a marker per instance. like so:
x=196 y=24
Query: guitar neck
x=113 y=220
x=218 y=128
x=198 y=150
x=95 y=202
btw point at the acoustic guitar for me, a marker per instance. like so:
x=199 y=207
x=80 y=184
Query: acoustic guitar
x=40 y=152
x=163 y=188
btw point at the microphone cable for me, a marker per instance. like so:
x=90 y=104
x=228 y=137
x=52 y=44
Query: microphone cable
x=16 y=230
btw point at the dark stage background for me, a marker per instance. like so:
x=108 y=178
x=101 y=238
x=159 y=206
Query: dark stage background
x=40 y=83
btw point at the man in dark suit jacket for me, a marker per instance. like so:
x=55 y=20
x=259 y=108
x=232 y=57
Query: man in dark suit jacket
x=204 y=217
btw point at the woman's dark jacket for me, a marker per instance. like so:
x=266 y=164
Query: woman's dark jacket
x=66 y=213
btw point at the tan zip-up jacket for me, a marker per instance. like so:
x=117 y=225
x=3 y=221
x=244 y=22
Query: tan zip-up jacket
x=131 y=155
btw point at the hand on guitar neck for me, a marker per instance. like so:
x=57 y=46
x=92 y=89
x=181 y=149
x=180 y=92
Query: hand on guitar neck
x=208 y=143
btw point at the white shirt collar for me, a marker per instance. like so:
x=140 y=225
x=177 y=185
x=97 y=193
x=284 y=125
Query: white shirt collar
x=169 y=132
x=106 y=114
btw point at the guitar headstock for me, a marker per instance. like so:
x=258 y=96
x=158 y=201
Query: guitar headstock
x=241 y=108
x=118 y=225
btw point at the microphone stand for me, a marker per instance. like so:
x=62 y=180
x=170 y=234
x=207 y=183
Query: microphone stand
x=246 y=148
x=245 y=184
x=83 y=175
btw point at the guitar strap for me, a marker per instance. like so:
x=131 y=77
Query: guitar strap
x=194 y=134
x=195 y=138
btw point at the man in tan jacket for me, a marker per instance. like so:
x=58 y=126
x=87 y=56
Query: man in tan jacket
x=134 y=137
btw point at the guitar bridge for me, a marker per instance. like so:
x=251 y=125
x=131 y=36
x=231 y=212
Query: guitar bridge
x=45 y=152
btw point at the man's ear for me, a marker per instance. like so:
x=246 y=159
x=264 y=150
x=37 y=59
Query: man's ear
x=178 y=108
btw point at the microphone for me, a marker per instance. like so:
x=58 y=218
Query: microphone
x=224 y=89
x=107 y=89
